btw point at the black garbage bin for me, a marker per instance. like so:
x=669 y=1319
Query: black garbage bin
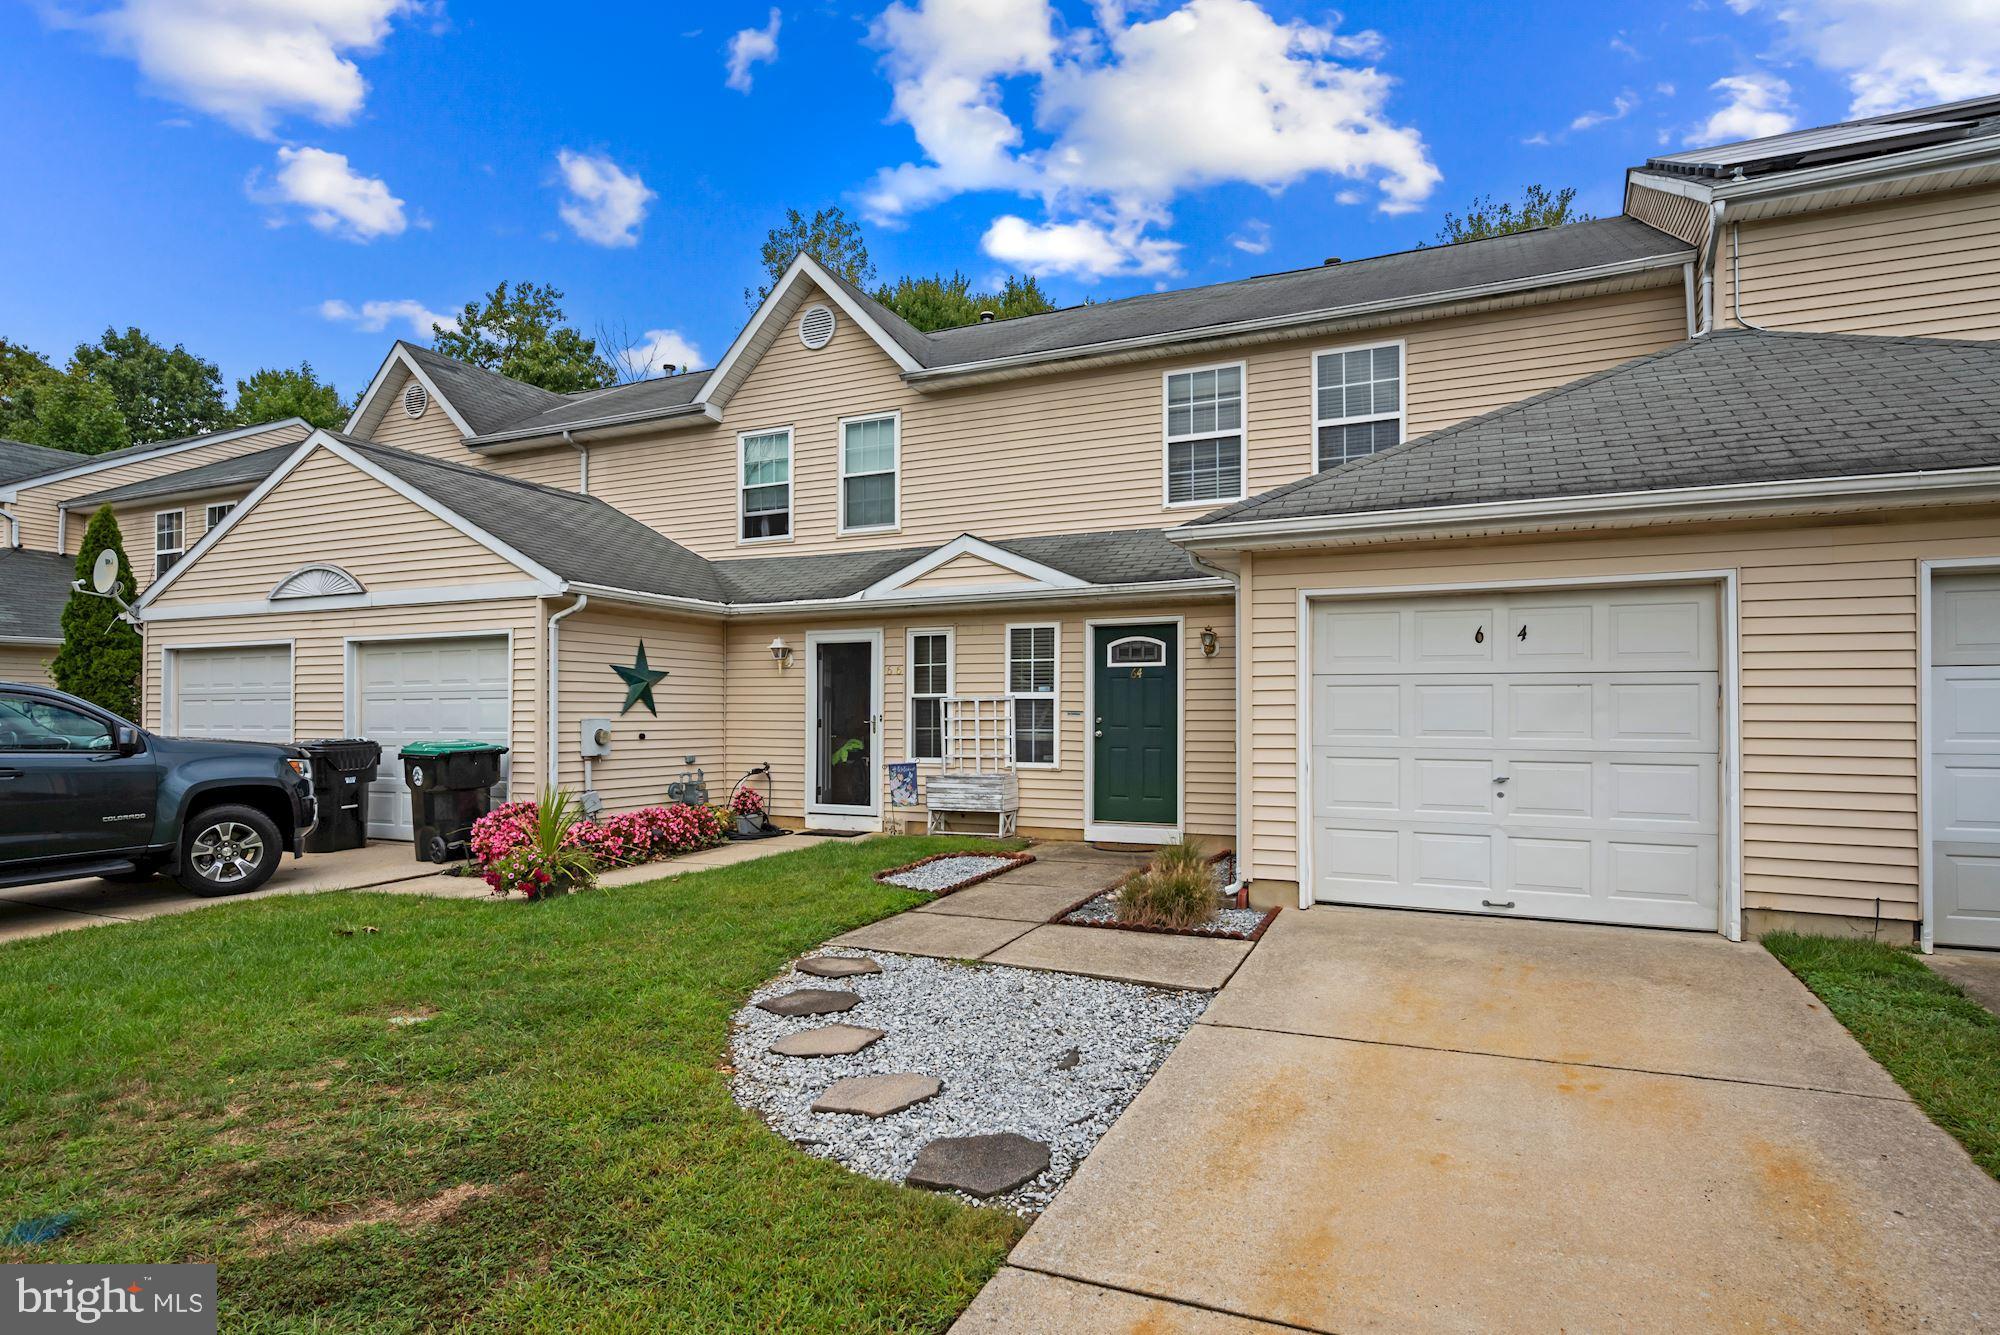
x=451 y=786
x=342 y=770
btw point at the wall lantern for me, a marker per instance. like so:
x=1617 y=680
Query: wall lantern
x=782 y=652
x=1208 y=642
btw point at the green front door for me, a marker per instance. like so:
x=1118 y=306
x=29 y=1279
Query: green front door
x=1136 y=768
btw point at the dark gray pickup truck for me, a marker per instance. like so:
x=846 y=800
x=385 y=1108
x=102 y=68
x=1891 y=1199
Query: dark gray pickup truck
x=85 y=793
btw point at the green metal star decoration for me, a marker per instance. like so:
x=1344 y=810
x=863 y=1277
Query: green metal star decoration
x=639 y=679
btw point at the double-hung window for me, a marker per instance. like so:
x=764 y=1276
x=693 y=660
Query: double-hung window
x=169 y=540
x=1357 y=402
x=766 y=485
x=930 y=683
x=1205 y=435
x=1031 y=686
x=217 y=513
x=868 y=457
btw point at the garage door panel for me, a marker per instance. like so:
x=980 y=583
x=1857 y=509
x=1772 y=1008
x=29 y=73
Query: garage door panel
x=1453 y=637
x=1357 y=710
x=1451 y=787
x=1355 y=784
x=1452 y=861
x=1455 y=710
x=1551 y=789
x=1551 y=866
x=237 y=694
x=429 y=690
x=1553 y=712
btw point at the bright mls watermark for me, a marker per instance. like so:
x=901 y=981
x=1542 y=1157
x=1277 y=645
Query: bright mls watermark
x=162 y=1299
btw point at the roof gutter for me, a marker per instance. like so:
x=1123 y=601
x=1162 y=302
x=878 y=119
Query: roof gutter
x=561 y=435
x=858 y=605
x=1747 y=498
x=1278 y=324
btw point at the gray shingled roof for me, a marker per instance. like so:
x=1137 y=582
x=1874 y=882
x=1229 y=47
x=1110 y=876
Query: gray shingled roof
x=33 y=588
x=68 y=460
x=245 y=470
x=19 y=459
x=641 y=397
x=485 y=399
x=1735 y=407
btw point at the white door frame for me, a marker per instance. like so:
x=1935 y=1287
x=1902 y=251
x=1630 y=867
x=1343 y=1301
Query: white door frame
x=827 y=817
x=168 y=684
x=1729 y=908
x=1100 y=832
x=1926 y=716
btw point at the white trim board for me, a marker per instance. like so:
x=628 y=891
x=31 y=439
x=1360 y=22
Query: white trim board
x=399 y=355
x=965 y=544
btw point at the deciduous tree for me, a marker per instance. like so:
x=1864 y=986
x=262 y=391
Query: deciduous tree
x=829 y=236
x=520 y=331
x=161 y=392
x=1537 y=208
x=278 y=392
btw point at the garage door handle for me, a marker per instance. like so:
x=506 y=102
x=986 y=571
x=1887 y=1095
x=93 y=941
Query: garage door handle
x=1487 y=903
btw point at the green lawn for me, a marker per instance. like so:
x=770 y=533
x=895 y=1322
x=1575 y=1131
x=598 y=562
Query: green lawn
x=1943 y=1047
x=225 y=1086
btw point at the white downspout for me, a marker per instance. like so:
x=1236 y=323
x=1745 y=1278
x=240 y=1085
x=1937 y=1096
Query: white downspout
x=554 y=691
x=13 y=527
x=1708 y=261
x=582 y=463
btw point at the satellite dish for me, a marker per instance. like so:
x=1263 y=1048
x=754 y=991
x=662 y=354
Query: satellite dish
x=104 y=574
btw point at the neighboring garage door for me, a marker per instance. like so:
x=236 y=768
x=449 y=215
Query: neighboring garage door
x=1549 y=755
x=243 y=694
x=426 y=690
x=1965 y=760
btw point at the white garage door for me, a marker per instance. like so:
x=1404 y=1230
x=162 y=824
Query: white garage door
x=1548 y=755
x=427 y=690
x=1965 y=760
x=242 y=695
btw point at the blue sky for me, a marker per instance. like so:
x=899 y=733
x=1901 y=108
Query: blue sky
x=266 y=188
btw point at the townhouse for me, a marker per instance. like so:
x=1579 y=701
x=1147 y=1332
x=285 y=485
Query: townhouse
x=1627 y=571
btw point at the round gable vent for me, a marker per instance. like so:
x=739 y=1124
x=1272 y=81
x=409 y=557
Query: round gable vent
x=415 y=400
x=816 y=327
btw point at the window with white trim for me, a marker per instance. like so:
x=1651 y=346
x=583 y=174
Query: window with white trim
x=930 y=683
x=766 y=485
x=217 y=513
x=169 y=540
x=1357 y=403
x=1031 y=686
x=868 y=458
x=1205 y=435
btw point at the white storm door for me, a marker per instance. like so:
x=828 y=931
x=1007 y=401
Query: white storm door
x=425 y=691
x=239 y=695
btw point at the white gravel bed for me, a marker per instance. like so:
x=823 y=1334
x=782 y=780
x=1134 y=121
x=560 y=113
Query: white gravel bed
x=993 y=1035
x=947 y=872
x=1104 y=908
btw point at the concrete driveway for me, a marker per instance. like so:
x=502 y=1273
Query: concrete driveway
x=1407 y=1121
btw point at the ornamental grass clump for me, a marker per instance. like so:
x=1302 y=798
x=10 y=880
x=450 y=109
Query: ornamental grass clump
x=1176 y=889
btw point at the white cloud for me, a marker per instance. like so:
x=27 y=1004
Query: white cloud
x=1894 y=53
x=1128 y=115
x=752 y=46
x=606 y=203
x=372 y=317
x=247 y=62
x=1254 y=239
x=659 y=351
x=1753 y=106
x=1625 y=48
x=337 y=199
x=1621 y=106
x=1078 y=249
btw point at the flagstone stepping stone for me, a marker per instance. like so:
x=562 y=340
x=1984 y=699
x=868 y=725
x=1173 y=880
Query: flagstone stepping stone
x=810 y=1001
x=836 y=966
x=979 y=1165
x=833 y=1040
x=877 y=1095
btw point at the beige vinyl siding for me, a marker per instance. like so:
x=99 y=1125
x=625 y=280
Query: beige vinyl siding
x=36 y=507
x=328 y=510
x=28 y=663
x=136 y=526
x=968 y=571
x=319 y=661
x=1677 y=215
x=1085 y=450
x=1828 y=676
x=690 y=701
x=1927 y=265
x=433 y=433
x=767 y=706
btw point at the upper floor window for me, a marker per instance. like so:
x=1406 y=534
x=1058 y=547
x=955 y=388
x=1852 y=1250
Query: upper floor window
x=1205 y=435
x=219 y=512
x=868 y=458
x=169 y=540
x=1031 y=685
x=930 y=683
x=1357 y=402
x=766 y=485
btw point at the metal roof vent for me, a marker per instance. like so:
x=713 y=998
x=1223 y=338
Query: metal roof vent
x=415 y=400
x=816 y=327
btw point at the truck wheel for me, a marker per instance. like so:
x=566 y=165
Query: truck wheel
x=228 y=851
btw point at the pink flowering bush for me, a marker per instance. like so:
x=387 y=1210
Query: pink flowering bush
x=747 y=802
x=622 y=840
x=534 y=851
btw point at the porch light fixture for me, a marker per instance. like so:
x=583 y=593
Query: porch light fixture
x=782 y=652
x=1208 y=642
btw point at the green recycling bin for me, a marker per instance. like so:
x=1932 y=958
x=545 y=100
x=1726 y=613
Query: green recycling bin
x=451 y=786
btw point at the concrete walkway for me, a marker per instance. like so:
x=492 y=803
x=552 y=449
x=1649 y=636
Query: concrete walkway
x=1977 y=971
x=1007 y=921
x=1408 y=1121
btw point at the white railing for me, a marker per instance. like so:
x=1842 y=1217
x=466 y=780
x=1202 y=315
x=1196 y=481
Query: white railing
x=978 y=734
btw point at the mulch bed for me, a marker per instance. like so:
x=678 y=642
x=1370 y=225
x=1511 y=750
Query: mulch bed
x=1013 y=860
